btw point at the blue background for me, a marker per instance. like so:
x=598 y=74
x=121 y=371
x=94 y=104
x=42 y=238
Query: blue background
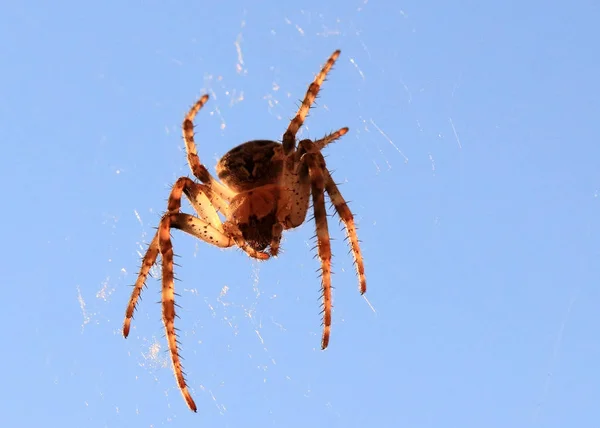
x=471 y=164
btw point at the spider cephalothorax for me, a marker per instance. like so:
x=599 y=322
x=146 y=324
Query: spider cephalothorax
x=265 y=189
x=253 y=169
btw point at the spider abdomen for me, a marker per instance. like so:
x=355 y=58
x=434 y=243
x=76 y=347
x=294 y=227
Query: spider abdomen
x=251 y=165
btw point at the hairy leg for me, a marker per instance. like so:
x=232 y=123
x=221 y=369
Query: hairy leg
x=340 y=205
x=147 y=263
x=347 y=218
x=317 y=179
x=328 y=139
x=289 y=137
x=168 y=306
x=207 y=228
x=198 y=169
x=206 y=202
x=201 y=201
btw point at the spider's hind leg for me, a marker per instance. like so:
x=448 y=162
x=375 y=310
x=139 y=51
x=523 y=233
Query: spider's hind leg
x=342 y=209
x=322 y=182
x=316 y=167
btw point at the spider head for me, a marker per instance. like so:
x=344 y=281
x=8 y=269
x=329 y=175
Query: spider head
x=254 y=212
x=258 y=232
x=251 y=165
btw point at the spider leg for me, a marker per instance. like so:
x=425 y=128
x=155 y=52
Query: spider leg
x=289 y=137
x=207 y=227
x=201 y=229
x=203 y=201
x=198 y=169
x=162 y=243
x=220 y=231
x=345 y=214
x=206 y=232
x=316 y=168
x=168 y=305
x=341 y=207
x=296 y=187
x=147 y=263
x=206 y=202
x=328 y=139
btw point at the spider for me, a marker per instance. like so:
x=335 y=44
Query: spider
x=265 y=189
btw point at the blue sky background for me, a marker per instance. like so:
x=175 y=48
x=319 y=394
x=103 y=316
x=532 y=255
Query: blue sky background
x=471 y=164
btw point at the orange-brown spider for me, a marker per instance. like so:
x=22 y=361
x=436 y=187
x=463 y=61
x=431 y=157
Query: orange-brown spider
x=266 y=190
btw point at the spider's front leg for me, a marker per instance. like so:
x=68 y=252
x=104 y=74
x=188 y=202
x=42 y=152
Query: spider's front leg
x=168 y=305
x=198 y=169
x=207 y=227
x=203 y=202
x=289 y=137
x=147 y=263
